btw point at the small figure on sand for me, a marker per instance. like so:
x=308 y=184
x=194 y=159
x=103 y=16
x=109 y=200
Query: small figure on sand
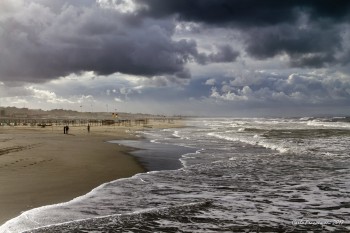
x=65 y=129
x=88 y=128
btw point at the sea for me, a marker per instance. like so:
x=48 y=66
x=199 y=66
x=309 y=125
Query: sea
x=219 y=175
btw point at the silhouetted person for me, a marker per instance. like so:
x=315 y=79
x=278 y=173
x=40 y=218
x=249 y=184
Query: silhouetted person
x=64 y=130
x=88 y=128
x=67 y=129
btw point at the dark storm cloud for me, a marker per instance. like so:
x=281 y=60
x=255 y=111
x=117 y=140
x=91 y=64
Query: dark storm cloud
x=311 y=46
x=268 y=42
x=225 y=53
x=42 y=44
x=41 y=40
x=308 y=31
x=44 y=39
x=247 y=12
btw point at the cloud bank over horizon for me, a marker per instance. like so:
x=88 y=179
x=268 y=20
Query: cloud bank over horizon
x=198 y=57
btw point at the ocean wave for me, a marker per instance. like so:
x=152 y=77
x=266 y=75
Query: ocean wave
x=123 y=221
x=255 y=141
x=186 y=157
x=318 y=123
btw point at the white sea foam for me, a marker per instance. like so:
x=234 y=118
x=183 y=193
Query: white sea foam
x=329 y=124
x=176 y=134
x=135 y=214
x=254 y=140
x=185 y=158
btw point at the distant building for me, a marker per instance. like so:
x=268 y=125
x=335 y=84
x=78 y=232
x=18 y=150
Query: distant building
x=20 y=115
x=108 y=122
x=40 y=116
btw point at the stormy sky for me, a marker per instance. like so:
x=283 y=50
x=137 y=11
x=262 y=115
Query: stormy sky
x=192 y=57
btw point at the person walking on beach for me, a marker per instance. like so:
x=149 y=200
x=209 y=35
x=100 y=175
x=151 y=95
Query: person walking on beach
x=64 y=130
x=67 y=128
x=88 y=128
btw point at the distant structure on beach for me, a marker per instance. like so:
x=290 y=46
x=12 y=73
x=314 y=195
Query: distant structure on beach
x=24 y=116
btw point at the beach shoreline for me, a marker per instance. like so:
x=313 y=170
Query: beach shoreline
x=43 y=166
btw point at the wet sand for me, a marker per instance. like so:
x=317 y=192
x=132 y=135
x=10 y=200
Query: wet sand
x=41 y=166
x=157 y=156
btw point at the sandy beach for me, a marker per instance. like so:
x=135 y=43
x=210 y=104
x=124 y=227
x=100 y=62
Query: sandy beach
x=41 y=166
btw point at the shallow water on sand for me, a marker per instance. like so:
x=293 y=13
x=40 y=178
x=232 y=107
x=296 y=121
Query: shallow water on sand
x=246 y=175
